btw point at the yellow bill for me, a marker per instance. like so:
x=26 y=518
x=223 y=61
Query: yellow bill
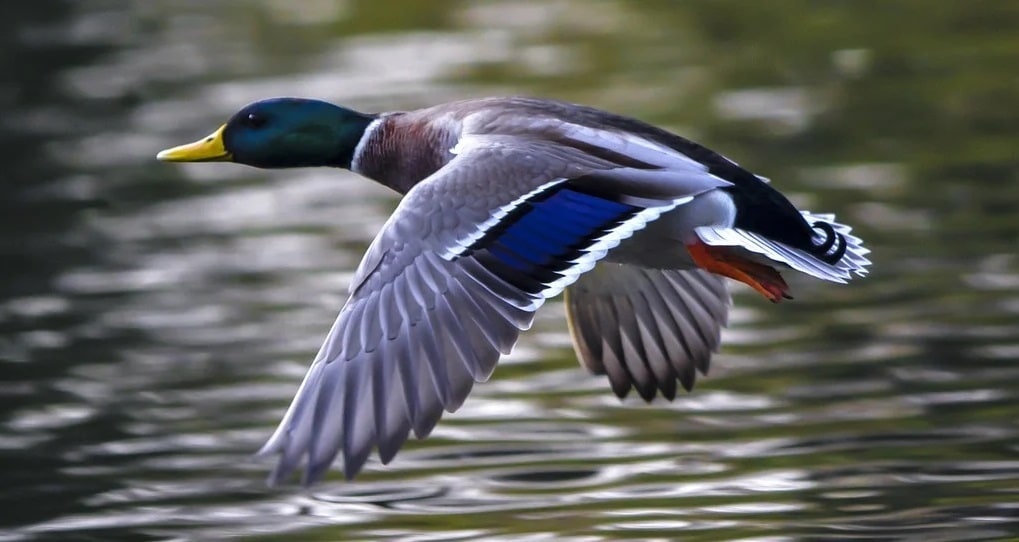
x=208 y=149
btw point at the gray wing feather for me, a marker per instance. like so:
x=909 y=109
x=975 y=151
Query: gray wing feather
x=358 y=412
x=612 y=358
x=634 y=353
x=654 y=345
x=695 y=316
x=646 y=328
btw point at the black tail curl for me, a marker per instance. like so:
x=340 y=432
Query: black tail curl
x=833 y=240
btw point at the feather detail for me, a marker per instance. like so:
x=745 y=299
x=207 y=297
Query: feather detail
x=852 y=261
x=646 y=328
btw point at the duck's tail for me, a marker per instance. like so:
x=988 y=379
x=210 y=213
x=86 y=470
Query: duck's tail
x=836 y=254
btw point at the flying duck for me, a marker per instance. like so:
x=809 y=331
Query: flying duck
x=506 y=203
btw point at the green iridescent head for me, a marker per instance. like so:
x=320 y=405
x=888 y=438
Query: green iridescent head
x=280 y=133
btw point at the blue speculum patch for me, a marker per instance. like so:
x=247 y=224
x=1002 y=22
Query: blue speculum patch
x=545 y=233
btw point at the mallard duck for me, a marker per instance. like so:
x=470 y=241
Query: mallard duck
x=506 y=203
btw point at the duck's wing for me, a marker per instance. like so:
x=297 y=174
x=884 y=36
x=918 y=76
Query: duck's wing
x=646 y=328
x=447 y=285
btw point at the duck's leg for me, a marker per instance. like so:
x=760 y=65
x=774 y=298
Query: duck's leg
x=723 y=261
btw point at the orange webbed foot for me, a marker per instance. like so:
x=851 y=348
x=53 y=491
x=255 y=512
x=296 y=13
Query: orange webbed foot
x=726 y=262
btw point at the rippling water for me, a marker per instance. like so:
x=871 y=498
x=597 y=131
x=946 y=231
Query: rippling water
x=155 y=320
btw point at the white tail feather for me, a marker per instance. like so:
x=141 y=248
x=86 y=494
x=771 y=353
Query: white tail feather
x=854 y=261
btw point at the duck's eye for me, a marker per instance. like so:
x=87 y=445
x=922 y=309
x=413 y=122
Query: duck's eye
x=254 y=120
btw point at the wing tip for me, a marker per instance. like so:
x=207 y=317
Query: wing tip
x=314 y=470
x=280 y=472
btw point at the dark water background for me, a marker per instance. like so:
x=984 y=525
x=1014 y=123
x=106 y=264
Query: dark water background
x=156 y=319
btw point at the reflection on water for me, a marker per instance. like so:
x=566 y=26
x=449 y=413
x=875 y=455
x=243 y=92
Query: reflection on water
x=155 y=320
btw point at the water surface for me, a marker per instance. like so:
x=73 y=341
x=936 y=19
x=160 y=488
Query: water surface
x=156 y=319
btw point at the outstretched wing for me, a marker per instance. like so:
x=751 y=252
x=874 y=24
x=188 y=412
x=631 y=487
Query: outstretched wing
x=647 y=328
x=453 y=277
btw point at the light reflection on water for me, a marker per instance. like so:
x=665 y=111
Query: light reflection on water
x=159 y=318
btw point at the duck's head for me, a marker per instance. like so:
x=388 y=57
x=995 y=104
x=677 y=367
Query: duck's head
x=280 y=133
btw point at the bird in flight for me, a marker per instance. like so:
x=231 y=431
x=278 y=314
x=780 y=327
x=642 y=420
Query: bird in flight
x=506 y=203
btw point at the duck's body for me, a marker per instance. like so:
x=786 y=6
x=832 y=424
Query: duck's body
x=401 y=149
x=507 y=202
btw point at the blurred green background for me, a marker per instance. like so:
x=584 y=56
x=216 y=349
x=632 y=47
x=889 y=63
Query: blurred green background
x=156 y=319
